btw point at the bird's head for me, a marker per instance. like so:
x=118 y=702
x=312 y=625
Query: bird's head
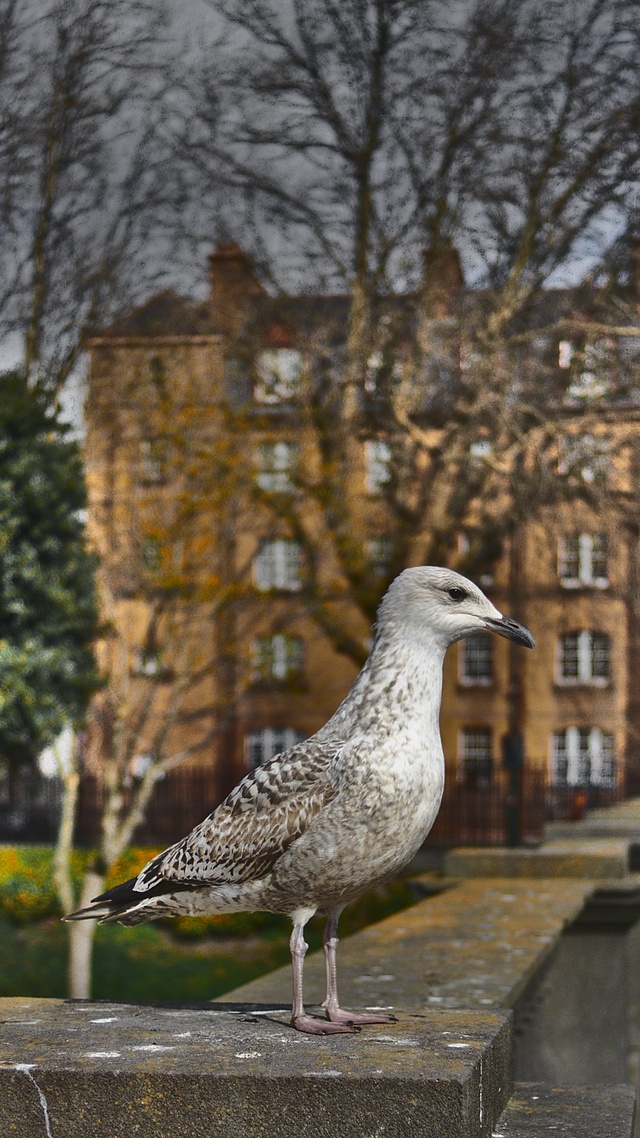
x=446 y=605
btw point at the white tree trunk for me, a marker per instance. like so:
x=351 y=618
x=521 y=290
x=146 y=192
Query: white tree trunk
x=64 y=844
x=81 y=934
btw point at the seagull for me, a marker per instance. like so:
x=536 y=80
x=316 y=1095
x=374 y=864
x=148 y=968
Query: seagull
x=321 y=823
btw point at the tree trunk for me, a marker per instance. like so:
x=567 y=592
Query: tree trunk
x=64 y=844
x=81 y=934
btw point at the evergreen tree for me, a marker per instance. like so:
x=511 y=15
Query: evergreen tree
x=48 y=607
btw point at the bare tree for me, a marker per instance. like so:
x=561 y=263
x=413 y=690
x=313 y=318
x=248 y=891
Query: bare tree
x=165 y=591
x=80 y=152
x=359 y=134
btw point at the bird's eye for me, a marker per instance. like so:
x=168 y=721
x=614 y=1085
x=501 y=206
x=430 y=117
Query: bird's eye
x=456 y=594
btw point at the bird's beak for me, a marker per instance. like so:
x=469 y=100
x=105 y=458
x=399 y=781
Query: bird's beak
x=505 y=626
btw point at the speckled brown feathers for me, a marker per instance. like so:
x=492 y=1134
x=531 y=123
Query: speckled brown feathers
x=243 y=838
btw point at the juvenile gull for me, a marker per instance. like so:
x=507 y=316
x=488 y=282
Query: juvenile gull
x=321 y=823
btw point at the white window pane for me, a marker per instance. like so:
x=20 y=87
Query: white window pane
x=377 y=459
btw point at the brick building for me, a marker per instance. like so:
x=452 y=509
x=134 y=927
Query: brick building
x=192 y=407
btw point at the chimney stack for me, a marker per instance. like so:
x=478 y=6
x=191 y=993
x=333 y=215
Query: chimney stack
x=442 y=280
x=234 y=286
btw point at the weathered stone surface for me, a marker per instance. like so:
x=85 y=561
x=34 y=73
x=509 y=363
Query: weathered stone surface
x=475 y=946
x=591 y=858
x=82 y=1069
x=538 y=1111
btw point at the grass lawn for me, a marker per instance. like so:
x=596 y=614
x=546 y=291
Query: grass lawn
x=152 y=962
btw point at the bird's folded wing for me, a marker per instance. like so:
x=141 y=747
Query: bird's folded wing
x=243 y=838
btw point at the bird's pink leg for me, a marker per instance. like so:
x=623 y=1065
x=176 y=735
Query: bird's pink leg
x=333 y=1011
x=299 y=1019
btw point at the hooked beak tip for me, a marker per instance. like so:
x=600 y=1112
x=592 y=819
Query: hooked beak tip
x=512 y=630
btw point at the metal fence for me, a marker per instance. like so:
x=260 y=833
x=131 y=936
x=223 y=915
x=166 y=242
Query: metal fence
x=30 y=809
x=475 y=815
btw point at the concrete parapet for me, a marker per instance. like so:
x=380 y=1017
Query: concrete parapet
x=82 y=1069
x=538 y=1111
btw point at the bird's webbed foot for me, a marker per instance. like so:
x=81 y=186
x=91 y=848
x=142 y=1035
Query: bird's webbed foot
x=313 y=1026
x=341 y=1015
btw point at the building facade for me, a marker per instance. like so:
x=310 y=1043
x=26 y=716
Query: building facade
x=195 y=451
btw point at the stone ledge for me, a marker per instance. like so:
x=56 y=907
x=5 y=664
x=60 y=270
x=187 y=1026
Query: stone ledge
x=84 y=1069
x=538 y=1111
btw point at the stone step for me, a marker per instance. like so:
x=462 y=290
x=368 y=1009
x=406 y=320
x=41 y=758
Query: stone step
x=592 y=858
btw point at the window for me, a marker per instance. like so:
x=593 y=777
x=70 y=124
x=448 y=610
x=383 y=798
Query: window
x=276 y=657
x=476 y=660
x=151 y=461
x=585 y=457
x=565 y=353
x=591 y=380
x=377 y=456
x=582 y=560
x=277 y=565
x=276 y=462
x=380 y=552
x=151 y=554
x=262 y=745
x=481 y=448
x=583 y=658
x=475 y=756
x=278 y=375
x=148 y=662
x=582 y=756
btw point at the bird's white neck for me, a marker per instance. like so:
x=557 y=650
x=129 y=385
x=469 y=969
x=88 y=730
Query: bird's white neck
x=401 y=683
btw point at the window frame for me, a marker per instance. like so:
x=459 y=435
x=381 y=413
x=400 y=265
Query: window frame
x=465 y=679
x=276 y=658
x=584 y=749
x=585 y=557
x=473 y=776
x=273 y=475
x=274 y=739
x=591 y=647
x=272 y=385
x=283 y=579
x=377 y=460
